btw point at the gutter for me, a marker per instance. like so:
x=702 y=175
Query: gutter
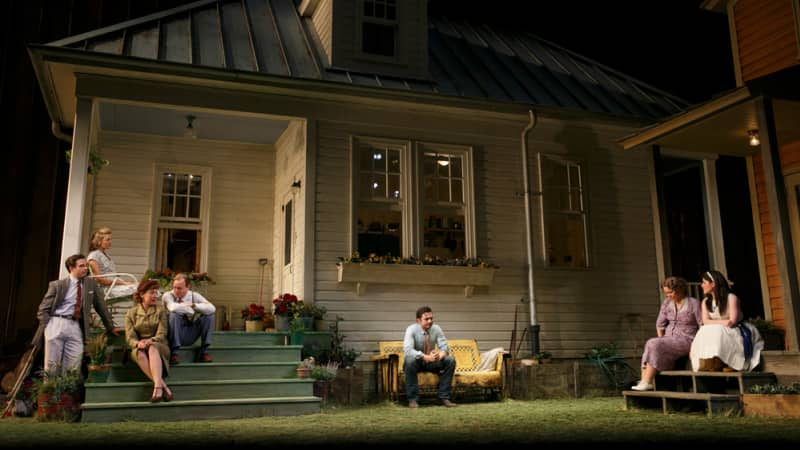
x=533 y=331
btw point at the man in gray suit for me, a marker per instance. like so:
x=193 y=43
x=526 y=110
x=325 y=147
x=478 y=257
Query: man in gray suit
x=64 y=315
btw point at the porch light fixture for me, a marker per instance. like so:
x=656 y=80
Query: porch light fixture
x=189 y=132
x=753 y=138
x=296 y=185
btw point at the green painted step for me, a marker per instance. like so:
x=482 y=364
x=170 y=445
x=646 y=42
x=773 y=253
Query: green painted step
x=201 y=390
x=177 y=410
x=248 y=338
x=235 y=353
x=209 y=371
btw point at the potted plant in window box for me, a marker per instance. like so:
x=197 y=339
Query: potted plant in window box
x=99 y=367
x=772 y=400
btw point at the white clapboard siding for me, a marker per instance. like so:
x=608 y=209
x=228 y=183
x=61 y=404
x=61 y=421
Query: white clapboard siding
x=576 y=309
x=241 y=207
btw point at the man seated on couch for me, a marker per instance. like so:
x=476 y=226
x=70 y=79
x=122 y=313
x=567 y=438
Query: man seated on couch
x=426 y=350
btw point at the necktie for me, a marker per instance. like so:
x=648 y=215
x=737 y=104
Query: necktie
x=77 y=314
x=427 y=343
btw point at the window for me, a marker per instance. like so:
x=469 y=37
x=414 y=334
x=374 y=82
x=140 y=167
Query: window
x=382 y=201
x=401 y=194
x=379 y=27
x=444 y=207
x=287 y=233
x=181 y=218
x=563 y=212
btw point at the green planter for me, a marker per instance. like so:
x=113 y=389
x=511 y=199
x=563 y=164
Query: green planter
x=98 y=373
x=297 y=338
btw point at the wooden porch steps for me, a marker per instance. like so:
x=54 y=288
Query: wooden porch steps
x=253 y=374
x=714 y=404
x=716 y=392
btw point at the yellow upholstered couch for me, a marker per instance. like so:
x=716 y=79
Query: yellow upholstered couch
x=492 y=382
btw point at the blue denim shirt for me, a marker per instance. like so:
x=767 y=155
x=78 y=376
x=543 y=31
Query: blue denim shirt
x=414 y=340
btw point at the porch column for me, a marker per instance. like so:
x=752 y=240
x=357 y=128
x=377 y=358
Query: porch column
x=72 y=238
x=716 y=246
x=779 y=216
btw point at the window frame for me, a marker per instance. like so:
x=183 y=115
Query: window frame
x=584 y=213
x=159 y=169
x=468 y=192
x=359 y=38
x=411 y=190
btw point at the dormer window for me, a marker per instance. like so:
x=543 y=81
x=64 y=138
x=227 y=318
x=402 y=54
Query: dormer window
x=379 y=27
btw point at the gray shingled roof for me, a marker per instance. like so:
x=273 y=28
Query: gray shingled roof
x=466 y=60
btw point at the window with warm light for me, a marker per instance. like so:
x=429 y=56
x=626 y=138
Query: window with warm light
x=181 y=218
x=564 y=215
x=412 y=200
x=444 y=206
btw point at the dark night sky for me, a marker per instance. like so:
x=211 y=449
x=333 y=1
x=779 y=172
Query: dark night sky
x=673 y=45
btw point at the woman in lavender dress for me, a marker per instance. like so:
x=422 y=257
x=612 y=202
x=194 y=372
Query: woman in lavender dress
x=678 y=321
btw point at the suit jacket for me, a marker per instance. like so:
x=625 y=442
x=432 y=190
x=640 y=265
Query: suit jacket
x=56 y=291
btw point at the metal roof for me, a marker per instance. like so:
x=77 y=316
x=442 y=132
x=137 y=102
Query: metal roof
x=475 y=61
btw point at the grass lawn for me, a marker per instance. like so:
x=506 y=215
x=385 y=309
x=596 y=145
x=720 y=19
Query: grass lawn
x=600 y=420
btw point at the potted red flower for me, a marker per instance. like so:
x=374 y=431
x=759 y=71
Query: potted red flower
x=283 y=307
x=253 y=317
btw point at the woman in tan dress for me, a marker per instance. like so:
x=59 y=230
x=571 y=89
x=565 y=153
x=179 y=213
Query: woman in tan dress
x=146 y=335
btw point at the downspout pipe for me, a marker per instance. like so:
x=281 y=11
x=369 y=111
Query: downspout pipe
x=533 y=331
x=59 y=133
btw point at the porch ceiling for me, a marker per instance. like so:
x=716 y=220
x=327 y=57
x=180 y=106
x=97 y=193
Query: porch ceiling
x=725 y=133
x=719 y=127
x=172 y=122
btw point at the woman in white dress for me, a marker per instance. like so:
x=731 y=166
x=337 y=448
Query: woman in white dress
x=725 y=341
x=100 y=263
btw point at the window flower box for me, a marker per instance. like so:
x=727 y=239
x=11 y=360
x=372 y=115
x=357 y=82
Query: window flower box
x=364 y=274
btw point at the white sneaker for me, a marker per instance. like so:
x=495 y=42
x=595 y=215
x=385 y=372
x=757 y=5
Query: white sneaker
x=642 y=386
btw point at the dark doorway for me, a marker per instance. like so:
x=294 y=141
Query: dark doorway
x=687 y=242
x=738 y=234
x=686 y=223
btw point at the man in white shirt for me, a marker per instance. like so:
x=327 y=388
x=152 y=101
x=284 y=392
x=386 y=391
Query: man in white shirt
x=190 y=316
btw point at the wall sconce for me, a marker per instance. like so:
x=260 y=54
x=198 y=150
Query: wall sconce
x=189 y=132
x=296 y=186
x=753 y=139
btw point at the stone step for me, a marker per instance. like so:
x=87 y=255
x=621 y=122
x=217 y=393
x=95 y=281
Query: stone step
x=713 y=404
x=200 y=390
x=178 y=410
x=232 y=353
x=210 y=371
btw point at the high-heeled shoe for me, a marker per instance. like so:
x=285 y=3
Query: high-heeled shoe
x=157 y=398
x=167 y=394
